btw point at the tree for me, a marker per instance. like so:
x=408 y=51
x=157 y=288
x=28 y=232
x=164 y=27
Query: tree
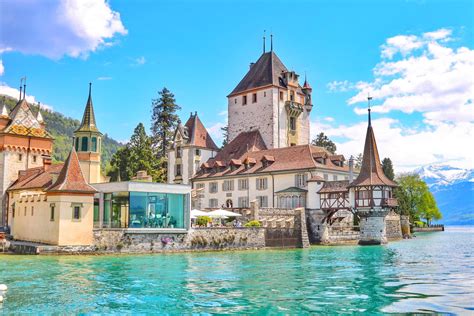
x=323 y=141
x=387 y=168
x=164 y=120
x=358 y=161
x=137 y=155
x=415 y=199
x=225 y=135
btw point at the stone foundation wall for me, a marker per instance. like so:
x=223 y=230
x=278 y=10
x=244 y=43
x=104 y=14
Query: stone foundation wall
x=113 y=240
x=393 y=226
x=373 y=230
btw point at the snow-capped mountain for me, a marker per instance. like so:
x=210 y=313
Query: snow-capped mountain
x=442 y=175
x=453 y=189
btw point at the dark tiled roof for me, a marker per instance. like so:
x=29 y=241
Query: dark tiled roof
x=70 y=178
x=292 y=190
x=36 y=178
x=335 y=186
x=88 y=119
x=245 y=141
x=371 y=172
x=266 y=71
x=197 y=133
x=316 y=178
x=24 y=122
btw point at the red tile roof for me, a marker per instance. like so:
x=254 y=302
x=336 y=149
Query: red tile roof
x=335 y=186
x=71 y=178
x=244 y=142
x=371 y=172
x=36 y=178
x=197 y=133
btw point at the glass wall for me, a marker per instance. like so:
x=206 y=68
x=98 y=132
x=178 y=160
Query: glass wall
x=144 y=210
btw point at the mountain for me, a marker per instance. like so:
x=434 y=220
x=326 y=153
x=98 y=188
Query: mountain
x=453 y=189
x=62 y=129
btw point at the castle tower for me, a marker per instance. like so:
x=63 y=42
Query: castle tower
x=373 y=194
x=88 y=143
x=23 y=142
x=192 y=146
x=269 y=98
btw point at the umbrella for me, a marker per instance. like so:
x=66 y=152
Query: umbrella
x=220 y=213
x=196 y=213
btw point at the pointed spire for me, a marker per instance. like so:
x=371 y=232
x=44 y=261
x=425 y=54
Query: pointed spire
x=271 y=42
x=368 y=108
x=88 y=119
x=39 y=116
x=264 y=42
x=24 y=91
x=21 y=90
x=306 y=84
x=71 y=178
x=4 y=113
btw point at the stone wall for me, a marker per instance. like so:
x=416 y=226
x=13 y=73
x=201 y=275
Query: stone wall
x=116 y=240
x=393 y=226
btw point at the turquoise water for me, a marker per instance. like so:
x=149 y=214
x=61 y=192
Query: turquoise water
x=433 y=272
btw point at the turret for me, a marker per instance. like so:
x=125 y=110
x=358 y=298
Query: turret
x=88 y=142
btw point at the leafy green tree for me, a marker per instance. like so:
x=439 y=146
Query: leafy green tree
x=387 y=168
x=225 y=135
x=358 y=161
x=137 y=155
x=323 y=141
x=415 y=199
x=164 y=120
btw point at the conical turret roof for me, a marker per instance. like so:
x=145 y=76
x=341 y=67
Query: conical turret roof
x=371 y=172
x=88 y=119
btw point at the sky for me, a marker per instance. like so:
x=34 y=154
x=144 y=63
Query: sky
x=414 y=57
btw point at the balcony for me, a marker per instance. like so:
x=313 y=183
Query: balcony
x=294 y=108
x=389 y=202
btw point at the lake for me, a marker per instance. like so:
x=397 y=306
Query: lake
x=433 y=272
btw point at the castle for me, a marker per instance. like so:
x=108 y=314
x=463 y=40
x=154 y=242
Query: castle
x=269 y=159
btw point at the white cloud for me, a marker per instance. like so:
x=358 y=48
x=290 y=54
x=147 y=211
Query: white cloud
x=329 y=119
x=340 y=86
x=409 y=148
x=424 y=74
x=139 y=61
x=216 y=132
x=15 y=93
x=2 y=69
x=58 y=27
x=104 y=78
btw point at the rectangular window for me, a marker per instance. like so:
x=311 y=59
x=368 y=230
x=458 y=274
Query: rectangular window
x=25 y=211
x=264 y=94
x=228 y=185
x=300 y=180
x=94 y=144
x=262 y=200
x=326 y=177
x=178 y=152
x=198 y=152
x=32 y=211
x=20 y=157
x=213 y=187
x=76 y=212
x=281 y=95
x=293 y=123
x=261 y=183
x=244 y=100
x=243 y=201
x=51 y=214
x=362 y=194
x=200 y=185
x=235 y=101
x=254 y=98
x=213 y=203
x=243 y=184
x=334 y=177
x=34 y=158
x=178 y=170
x=292 y=95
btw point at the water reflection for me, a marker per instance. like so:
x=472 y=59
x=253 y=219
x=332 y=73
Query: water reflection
x=433 y=272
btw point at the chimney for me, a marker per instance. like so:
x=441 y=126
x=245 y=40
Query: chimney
x=46 y=162
x=351 y=169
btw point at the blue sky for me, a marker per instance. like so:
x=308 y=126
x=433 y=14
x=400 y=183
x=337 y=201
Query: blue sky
x=200 y=51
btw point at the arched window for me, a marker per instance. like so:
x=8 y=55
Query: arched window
x=94 y=144
x=84 y=144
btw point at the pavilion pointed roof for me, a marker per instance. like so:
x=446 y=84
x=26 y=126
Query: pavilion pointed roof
x=70 y=178
x=88 y=119
x=197 y=134
x=371 y=172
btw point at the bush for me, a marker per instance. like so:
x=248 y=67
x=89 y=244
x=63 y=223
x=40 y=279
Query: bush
x=253 y=224
x=203 y=220
x=419 y=224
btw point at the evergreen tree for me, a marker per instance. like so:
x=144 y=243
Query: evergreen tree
x=387 y=168
x=323 y=141
x=164 y=120
x=358 y=161
x=137 y=155
x=225 y=135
